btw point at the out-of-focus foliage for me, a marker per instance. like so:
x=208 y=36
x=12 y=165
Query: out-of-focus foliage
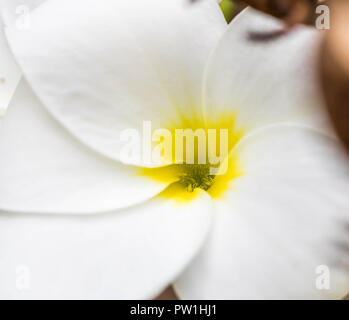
x=228 y=9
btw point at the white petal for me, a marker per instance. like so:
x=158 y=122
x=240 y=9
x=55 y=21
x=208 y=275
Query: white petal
x=10 y=74
x=266 y=82
x=18 y=11
x=287 y=216
x=133 y=254
x=44 y=169
x=110 y=65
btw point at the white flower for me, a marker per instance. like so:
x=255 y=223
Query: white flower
x=85 y=225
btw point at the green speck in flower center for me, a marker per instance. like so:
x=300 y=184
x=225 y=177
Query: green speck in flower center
x=194 y=176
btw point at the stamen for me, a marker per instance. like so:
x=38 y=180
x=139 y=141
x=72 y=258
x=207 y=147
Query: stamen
x=196 y=176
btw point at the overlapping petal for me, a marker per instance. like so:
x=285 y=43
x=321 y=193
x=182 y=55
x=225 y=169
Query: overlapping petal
x=108 y=65
x=44 y=169
x=266 y=81
x=130 y=254
x=10 y=74
x=15 y=13
x=281 y=225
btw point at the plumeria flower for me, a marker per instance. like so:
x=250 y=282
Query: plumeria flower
x=79 y=221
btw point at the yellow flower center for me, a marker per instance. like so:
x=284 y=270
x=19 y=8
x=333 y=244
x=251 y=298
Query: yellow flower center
x=198 y=151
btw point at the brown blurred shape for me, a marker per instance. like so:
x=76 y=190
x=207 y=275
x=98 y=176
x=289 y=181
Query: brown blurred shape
x=290 y=11
x=168 y=294
x=334 y=66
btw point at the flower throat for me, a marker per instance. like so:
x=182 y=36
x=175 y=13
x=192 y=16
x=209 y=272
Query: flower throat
x=191 y=154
